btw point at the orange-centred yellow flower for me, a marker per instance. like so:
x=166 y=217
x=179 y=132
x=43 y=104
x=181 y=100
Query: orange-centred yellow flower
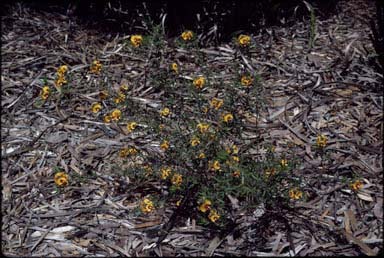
x=175 y=67
x=95 y=67
x=213 y=216
x=244 y=40
x=216 y=103
x=61 y=179
x=116 y=115
x=131 y=126
x=295 y=194
x=136 y=40
x=165 y=112
x=164 y=145
x=199 y=82
x=205 y=206
x=165 y=172
x=177 y=179
x=357 y=185
x=246 y=80
x=96 y=107
x=227 y=117
x=62 y=70
x=107 y=119
x=321 y=141
x=202 y=155
x=147 y=206
x=187 y=35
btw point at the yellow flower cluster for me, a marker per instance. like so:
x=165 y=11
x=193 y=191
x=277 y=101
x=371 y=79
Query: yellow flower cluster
x=45 y=91
x=175 y=67
x=199 y=82
x=61 y=179
x=96 y=107
x=321 y=141
x=96 y=67
x=227 y=117
x=216 y=103
x=357 y=185
x=147 y=206
x=164 y=145
x=295 y=194
x=127 y=151
x=131 y=126
x=165 y=112
x=244 y=40
x=165 y=172
x=115 y=115
x=60 y=78
x=120 y=98
x=136 y=40
x=187 y=35
x=177 y=179
x=246 y=80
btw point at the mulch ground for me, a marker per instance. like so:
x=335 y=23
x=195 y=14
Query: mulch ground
x=330 y=89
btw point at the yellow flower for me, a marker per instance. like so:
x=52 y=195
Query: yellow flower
x=357 y=185
x=195 y=141
x=216 y=103
x=116 y=115
x=215 y=166
x=165 y=112
x=146 y=206
x=206 y=205
x=165 y=172
x=62 y=70
x=284 y=163
x=177 y=179
x=107 y=119
x=131 y=126
x=244 y=40
x=202 y=127
x=120 y=98
x=213 y=216
x=236 y=173
x=60 y=81
x=45 y=91
x=199 y=82
x=175 y=67
x=164 y=145
x=123 y=153
x=269 y=172
x=235 y=149
x=321 y=141
x=246 y=80
x=96 y=107
x=235 y=159
x=123 y=87
x=96 y=67
x=187 y=35
x=136 y=40
x=178 y=203
x=227 y=117
x=201 y=155
x=103 y=94
x=61 y=179
x=132 y=151
x=295 y=194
